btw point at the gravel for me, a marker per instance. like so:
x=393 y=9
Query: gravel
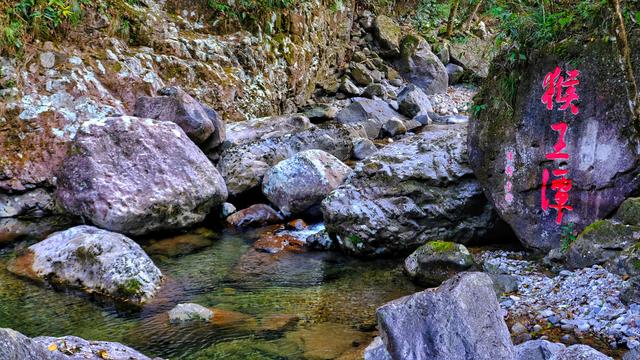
x=584 y=301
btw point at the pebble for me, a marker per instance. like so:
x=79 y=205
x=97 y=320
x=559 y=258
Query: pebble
x=581 y=301
x=47 y=60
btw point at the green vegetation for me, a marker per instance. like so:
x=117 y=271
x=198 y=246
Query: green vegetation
x=87 y=256
x=130 y=288
x=567 y=236
x=354 y=240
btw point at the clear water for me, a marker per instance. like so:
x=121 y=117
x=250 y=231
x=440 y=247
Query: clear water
x=334 y=296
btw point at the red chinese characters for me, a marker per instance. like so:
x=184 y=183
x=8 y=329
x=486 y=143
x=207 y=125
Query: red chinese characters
x=564 y=92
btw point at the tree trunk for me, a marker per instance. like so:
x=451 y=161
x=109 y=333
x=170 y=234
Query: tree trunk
x=625 y=59
x=467 y=24
x=452 y=17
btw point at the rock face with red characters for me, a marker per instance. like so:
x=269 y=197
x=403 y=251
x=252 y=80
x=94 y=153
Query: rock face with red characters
x=555 y=152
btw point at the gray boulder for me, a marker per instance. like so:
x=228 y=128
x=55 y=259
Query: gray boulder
x=376 y=350
x=361 y=74
x=244 y=132
x=96 y=260
x=633 y=354
x=388 y=34
x=474 y=54
x=579 y=352
x=179 y=107
x=363 y=148
x=189 y=312
x=370 y=113
x=298 y=183
x=412 y=191
x=606 y=243
x=243 y=167
x=459 y=320
x=455 y=72
x=412 y=102
x=436 y=261
x=15 y=346
x=33 y=203
x=393 y=127
x=348 y=87
x=419 y=66
x=137 y=176
x=537 y=350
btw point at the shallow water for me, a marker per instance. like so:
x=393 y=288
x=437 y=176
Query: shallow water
x=334 y=297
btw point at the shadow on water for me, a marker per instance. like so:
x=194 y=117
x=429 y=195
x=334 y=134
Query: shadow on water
x=268 y=306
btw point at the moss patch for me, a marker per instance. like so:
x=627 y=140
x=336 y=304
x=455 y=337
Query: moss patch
x=130 y=288
x=442 y=246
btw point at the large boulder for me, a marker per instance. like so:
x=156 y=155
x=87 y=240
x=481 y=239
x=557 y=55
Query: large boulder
x=388 y=34
x=436 y=261
x=96 y=260
x=421 y=67
x=412 y=101
x=459 y=320
x=376 y=350
x=580 y=352
x=243 y=167
x=298 y=183
x=606 y=243
x=370 y=113
x=16 y=346
x=243 y=132
x=412 y=191
x=136 y=176
x=179 y=107
x=475 y=55
x=603 y=164
x=537 y=350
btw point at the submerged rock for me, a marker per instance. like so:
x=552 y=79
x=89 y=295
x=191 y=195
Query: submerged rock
x=419 y=66
x=411 y=191
x=182 y=244
x=243 y=167
x=325 y=340
x=96 y=260
x=459 y=320
x=255 y=216
x=15 y=346
x=179 y=107
x=137 y=176
x=296 y=184
x=437 y=261
x=189 y=312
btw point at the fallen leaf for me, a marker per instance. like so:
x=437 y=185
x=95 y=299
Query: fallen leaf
x=52 y=347
x=103 y=354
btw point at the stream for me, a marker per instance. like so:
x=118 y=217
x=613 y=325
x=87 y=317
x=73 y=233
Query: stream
x=333 y=296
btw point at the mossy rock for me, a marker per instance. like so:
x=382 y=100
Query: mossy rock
x=629 y=211
x=436 y=261
x=604 y=242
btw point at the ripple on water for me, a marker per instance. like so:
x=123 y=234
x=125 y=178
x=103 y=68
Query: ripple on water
x=326 y=293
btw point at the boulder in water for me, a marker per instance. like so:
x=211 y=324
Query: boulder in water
x=437 y=261
x=96 y=260
x=189 y=312
x=255 y=216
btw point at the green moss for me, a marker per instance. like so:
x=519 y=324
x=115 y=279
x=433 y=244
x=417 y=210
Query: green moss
x=354 y=240
x=86 y=255
x=595 y=227
x=130 y=288
x=442 y=246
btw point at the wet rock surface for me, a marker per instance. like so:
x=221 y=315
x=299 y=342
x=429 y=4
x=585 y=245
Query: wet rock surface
x=116 y=163
x=255 y=216
x=95 y=260
x=410 y=192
